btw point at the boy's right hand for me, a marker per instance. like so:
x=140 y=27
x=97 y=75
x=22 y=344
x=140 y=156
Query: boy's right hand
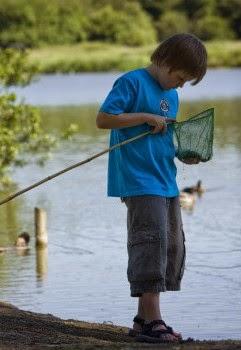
x=159 y=123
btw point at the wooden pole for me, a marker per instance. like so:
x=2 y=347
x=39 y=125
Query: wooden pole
x=40 y=227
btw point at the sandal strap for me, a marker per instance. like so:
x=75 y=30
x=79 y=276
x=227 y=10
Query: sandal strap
x=139 y=320
x=170 y=329
x=149 y=326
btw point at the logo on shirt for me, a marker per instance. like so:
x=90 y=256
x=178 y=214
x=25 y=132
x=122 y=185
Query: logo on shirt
x=164 y=105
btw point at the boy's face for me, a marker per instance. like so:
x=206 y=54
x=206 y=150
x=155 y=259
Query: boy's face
x=172 y=79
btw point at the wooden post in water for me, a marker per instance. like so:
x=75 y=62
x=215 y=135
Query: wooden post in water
x=41 y=235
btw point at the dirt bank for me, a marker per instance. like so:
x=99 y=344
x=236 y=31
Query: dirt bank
x=27 y=330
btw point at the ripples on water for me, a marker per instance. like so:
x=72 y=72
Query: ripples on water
x=82 y=274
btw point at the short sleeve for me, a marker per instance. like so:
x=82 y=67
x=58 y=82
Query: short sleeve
x=177 y=101
x=121 y=97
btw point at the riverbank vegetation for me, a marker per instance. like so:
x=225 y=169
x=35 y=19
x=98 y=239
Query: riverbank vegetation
x=99 y=56
x=90 y=35
x=133 y=22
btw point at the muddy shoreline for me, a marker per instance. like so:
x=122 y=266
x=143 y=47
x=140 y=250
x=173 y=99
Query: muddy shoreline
x=28 y=330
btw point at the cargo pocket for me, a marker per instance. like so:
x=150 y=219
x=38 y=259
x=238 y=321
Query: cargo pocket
x=144 y=256
x=183 y=257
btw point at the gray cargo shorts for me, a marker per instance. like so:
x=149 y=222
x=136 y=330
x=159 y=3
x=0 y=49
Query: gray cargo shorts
x=155 y=244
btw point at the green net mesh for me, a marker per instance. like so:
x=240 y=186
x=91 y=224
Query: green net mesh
x=194 y=137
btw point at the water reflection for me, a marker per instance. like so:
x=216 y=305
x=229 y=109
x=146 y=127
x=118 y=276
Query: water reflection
x=41 y=262
x=227 y=120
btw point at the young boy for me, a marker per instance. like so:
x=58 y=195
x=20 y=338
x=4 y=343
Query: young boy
x=143 y=174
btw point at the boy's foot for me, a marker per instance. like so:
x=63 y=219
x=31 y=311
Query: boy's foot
x=158 y=332
x=137 y=326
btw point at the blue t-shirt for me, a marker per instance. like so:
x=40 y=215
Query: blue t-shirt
x=145 y=166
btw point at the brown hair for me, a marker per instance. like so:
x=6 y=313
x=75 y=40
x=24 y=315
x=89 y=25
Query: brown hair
x=25 y=236
x=182 y=52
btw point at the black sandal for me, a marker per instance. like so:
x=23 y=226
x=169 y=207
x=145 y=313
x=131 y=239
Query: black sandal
x=132 y=332
x=170 y=329
x=148 y=335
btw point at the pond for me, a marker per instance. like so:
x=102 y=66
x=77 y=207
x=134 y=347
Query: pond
x=87 y=88
x=82 y=274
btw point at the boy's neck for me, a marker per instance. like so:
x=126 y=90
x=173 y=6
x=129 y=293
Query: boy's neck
x=157 y=73
x=152 y=71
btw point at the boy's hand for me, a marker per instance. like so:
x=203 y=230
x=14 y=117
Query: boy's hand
x=191 y=160
x=159 y=123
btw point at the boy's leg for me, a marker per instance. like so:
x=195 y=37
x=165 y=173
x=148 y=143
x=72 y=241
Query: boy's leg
x=148 y=308
x=151 y=308
x=143 y=245
x=147 y=253
x=140 y=308
x=146 y=244
x=176 y=252
x=140 y=313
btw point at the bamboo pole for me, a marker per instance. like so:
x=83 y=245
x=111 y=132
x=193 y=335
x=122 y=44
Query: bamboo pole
x=12 y=196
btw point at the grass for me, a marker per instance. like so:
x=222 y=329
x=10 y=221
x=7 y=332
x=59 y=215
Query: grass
x=98 y=56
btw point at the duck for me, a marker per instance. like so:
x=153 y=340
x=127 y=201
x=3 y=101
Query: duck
x=187 y=200
x=194 y=189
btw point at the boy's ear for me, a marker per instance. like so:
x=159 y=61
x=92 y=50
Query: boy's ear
x=170 y=70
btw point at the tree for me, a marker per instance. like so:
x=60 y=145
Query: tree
x=170 y=23
x=156 y=8
x=125 y=24
x=21 y=135
x=231 y=9
x=213 y=27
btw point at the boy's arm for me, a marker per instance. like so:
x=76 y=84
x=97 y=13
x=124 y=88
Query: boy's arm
x=125 y=120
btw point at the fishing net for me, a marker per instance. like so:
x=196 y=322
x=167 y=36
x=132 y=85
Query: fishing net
x=193 y=137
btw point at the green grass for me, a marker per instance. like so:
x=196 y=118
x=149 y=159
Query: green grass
x=97 y=56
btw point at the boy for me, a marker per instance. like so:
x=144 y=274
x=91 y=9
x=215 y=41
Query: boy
x=143 y=174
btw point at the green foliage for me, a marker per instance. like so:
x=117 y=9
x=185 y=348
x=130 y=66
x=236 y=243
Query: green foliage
x=21 y=135
x=102 y=24
x=14 y=68
x=131 y=22
x=196 y=8
x=70 y=131
x=99 y=56
x=41 y=22
x=156 y=8
x=231 y=9
x=17 y=18
x=224 y=54
x=20 y=131
x=129 y=26
x=213 y=27
x=170 y=23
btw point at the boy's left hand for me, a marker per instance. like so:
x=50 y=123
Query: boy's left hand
x=191 y=160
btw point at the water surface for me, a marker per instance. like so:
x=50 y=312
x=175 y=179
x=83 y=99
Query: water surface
x=85 y=88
